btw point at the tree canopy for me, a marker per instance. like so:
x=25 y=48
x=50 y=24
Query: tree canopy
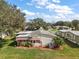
x=37 y=23
x=11 y=18
x=74 y=24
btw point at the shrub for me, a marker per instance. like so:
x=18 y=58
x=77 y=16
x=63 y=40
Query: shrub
x=58 y=41
x=13 y=44
x=28 y=44
x=1 y=44
x=23 y=43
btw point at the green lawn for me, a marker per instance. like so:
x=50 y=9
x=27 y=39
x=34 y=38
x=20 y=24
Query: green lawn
x=53 y=30
x=69 y=52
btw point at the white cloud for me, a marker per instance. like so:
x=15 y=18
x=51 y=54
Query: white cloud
x=40 y=2
x=44 y=16
x=38 y=7
x=29 y=4
x=28 y=13
x=56 y=1
x=52 y=18
x=51 y=6
x=75 y=16
x=61 y=12
x=68 y=17
x=64 y=10
x=18 y=8
x=60 y=9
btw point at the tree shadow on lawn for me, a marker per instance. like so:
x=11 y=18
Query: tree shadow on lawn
x=13 y=44
x=6 y=42
x=10 y=42
x=71 y=44
x=3 y=42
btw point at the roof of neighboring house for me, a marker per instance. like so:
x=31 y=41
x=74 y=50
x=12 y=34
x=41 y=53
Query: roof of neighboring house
x=63 y=26
x=64 y=30
x=75 y=32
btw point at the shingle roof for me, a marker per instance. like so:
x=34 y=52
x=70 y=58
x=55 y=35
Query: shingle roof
x=24 y=32
x=42 y=32
x=73 y=32
x=24 y=36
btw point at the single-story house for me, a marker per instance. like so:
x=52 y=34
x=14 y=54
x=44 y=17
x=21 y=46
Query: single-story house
x=63 y=33
x=38 y=38
x=62 y=27
x=71 y=35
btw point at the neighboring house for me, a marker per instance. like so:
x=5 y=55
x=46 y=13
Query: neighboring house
x=74 y=36
x=63 y=28
x=39 y=38
x=71 y=35
x=63 y=33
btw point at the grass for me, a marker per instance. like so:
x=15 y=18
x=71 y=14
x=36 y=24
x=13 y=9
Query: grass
x=15 y=53
x=10 y=52
x=53 y=30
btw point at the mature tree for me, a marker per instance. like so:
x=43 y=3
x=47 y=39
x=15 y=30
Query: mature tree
x=75 y=24
x=72 y=24
x=11 y=18
x=60 y=23
x=67 y=23
x=63 y=23
x=37 y=23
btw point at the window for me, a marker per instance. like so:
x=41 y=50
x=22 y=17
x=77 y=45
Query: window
x=37 y=41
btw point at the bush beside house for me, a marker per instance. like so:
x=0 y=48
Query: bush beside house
x=58 y=42
x=27 y=44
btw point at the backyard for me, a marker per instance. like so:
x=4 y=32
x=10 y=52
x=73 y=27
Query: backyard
x=44 y=18
x=70 y=51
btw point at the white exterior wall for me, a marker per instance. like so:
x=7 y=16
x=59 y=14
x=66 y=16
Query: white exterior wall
x=63 y=34
x=46 y=41
x=36 y=44
x=77 y=39
x=73 y=38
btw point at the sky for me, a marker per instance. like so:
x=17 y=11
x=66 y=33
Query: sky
x=49 y=10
